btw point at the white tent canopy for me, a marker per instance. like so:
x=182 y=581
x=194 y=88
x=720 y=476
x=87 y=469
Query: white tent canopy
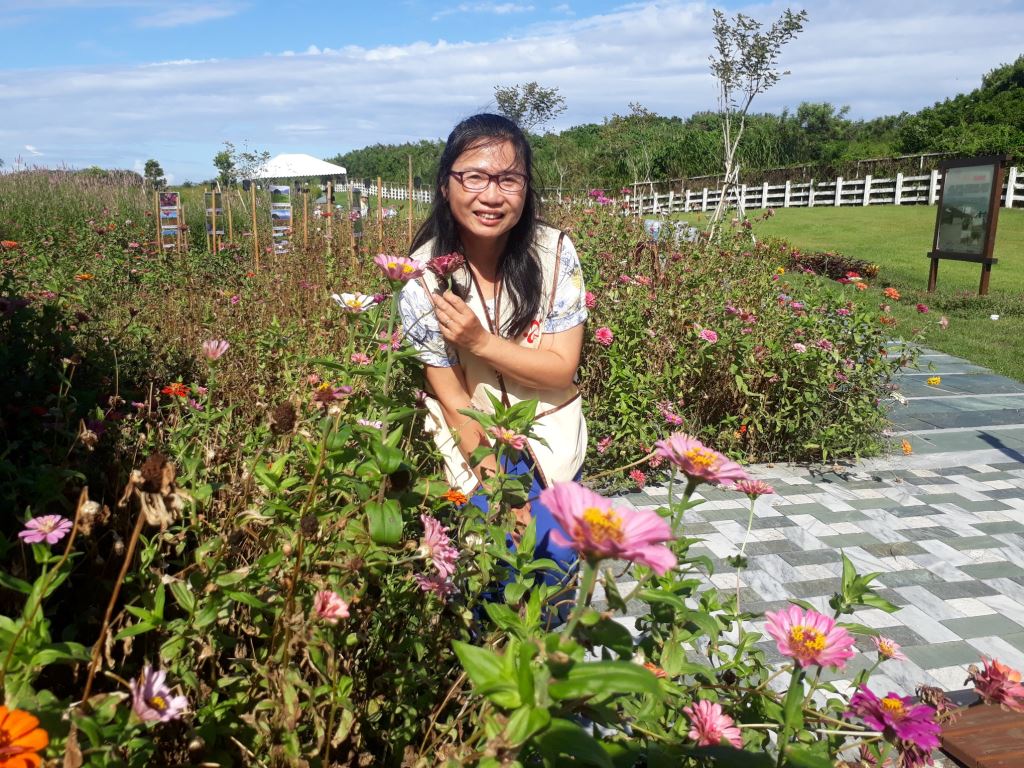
x=297 y=166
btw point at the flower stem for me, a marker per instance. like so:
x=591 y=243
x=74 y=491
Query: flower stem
x=586 y=587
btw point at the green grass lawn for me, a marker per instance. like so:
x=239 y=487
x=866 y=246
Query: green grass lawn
x=897 y=238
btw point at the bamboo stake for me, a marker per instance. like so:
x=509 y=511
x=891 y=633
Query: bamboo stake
x=330 y=211
x=380 y=212
x=213 y=226
x=305 y=219
x=255 y=234
x=410 y=201
x=206 y=218
x=159 y=224
x=180 y=238
x=231 y=229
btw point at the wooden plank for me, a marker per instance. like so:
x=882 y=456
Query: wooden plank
x=986 y=737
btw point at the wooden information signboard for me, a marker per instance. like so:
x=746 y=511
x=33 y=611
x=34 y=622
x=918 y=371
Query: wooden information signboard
x=965 y=225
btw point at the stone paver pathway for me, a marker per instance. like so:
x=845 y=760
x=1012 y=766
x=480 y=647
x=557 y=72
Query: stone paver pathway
x=945 y=526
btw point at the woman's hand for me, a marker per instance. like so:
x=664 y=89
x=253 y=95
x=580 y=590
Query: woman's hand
x=459 y=325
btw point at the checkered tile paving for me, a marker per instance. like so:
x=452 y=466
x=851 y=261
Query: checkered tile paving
x=944 y=526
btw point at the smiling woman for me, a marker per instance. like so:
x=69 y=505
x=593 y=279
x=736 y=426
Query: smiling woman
x=511 y=326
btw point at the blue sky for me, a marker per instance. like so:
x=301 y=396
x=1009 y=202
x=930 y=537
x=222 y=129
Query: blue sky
x=114 y=82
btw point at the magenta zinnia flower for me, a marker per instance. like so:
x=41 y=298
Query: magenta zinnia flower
x=508 y=437
x=437 y=547
x=998 y=684
x=809 y=637
x=709 y=725
x=753 y=488
x=152 y=699
x=910 y=727
x=443 y=266
x=329 y=606
x=48 y=528
x=604 y=336
x=597 y=530
x=698 y=462
x=398 y=267
x=708 y=335
x=435 y=583
x=214 y=348
x=888 y=649
x=590 y=300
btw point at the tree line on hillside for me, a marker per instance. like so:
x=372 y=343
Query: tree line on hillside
x=814 y=138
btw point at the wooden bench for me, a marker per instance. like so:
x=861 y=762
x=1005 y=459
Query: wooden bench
x=986 y=736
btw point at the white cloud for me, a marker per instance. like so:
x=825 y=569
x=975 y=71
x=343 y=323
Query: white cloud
x=33 y=151
x=186 y=13
x=878 y=57
x=499 y=9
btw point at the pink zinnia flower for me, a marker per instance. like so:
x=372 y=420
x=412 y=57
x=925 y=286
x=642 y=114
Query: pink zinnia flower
x=638 y=477
x=436 y=546
x=998 y=684
x=435 y=583
x=590 y=300
x=48 y=528
x=214 y=348
x=709 y=725
x=508 y=437
x=753 y=488
x=943 y=322
x=809 y=637
x=329 y=606
x=888 y=648
x=922 y=308
x=800 y=347
x=603 y=443
x=360 y=358
x=910 y=727
x=597 y=530
x=708 y=335
x=824 y=344
x=698 y=462
x=604 y=336
x=152 y=699
x=398 y=267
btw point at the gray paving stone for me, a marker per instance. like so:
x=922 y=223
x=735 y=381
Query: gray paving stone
x=993 y=570
x=814 y=557
x=992 y=625
x=949 y=590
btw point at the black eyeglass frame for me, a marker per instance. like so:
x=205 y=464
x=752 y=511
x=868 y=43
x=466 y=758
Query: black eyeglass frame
x=495 y=177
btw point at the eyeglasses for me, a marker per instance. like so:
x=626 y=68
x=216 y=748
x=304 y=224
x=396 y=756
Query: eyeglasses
x=478 y=181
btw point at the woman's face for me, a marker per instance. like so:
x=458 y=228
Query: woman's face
x=492 y=212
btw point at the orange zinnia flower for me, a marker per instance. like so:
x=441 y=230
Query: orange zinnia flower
x=892 y=293
x=8 y=244
x=20 y=739
x=177 y=389
x=907 y=448
x=458 y=498
x=81 y=276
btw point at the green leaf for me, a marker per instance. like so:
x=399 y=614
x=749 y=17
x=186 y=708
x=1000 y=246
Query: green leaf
x=388 y=458
x=793 y=706
x=605 y=678
x=801 y=757
x=874 y=601
x=481 y=664
x=385 y=521
x=245 y=598
x=525 y=722
x=135 y=629
x=183 y=596
x=58 y=652
x=564 y=737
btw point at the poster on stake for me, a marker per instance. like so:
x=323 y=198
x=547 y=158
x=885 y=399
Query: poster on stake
x=169 y=216
x=281 y=217
x=214 y=213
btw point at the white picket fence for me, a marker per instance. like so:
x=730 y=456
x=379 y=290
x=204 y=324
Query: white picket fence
x=391 y=192
x=902 y=190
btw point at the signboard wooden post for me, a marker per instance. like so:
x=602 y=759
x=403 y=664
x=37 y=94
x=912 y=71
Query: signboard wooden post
x=965 y=225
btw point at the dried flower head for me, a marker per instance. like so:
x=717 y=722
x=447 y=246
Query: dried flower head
x=282 y=418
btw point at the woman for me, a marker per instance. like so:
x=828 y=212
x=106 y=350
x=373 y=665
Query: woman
x=513 y=326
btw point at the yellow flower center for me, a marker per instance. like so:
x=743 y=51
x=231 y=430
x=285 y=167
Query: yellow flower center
x=158 y=703
x=701 y=457
x=406 y=269
x=893 y=706
x=354 y=303
x=806 y=640
x=603 y=524
x=885 y=647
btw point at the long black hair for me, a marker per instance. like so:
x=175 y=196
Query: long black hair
x=518 y=267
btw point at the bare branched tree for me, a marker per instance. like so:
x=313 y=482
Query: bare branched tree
x=744 y=63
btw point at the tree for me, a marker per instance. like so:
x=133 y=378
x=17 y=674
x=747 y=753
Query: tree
x=744 y=63
x=154 y=175
x=529 y=106
x=234 y=165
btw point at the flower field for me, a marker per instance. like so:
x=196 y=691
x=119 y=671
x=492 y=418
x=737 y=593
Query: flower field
x=231 y=545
